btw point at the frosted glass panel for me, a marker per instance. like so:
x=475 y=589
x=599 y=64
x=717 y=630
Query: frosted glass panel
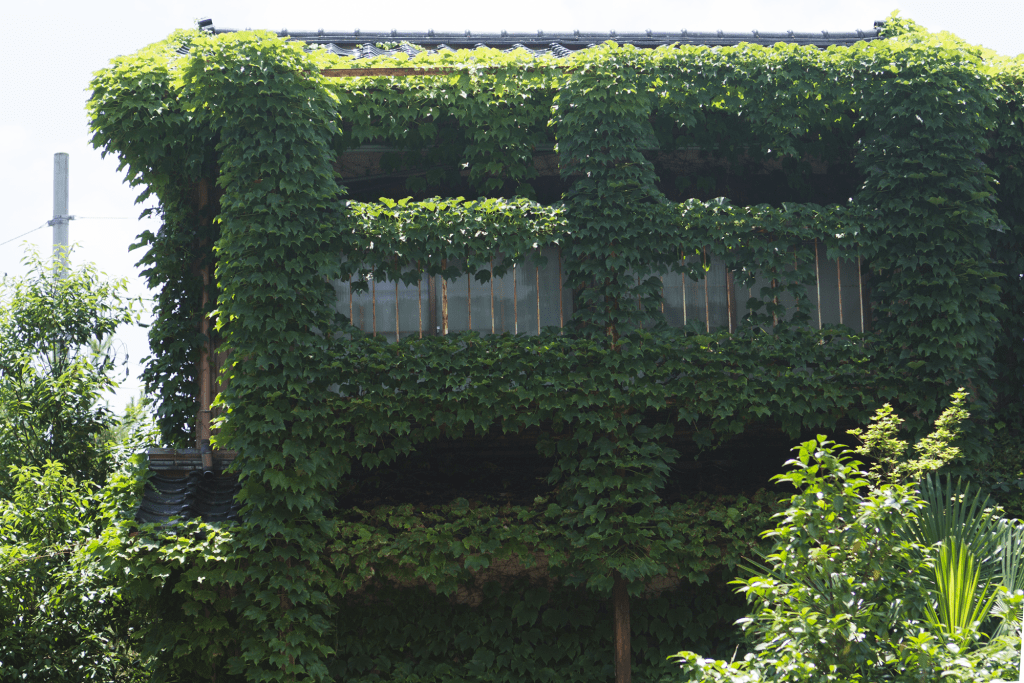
x=555 y=297
x=514 y=302
x=510 y=302
x=688 y=301
x=850 y=290
x=828 y=284
x=528 y=297
x=838 y=279
x=374 y=311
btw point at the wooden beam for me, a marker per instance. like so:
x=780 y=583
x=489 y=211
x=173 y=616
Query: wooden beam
x=409 y=71
x=360 y=73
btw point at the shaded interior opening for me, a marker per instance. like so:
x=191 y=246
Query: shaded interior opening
x=498 y=469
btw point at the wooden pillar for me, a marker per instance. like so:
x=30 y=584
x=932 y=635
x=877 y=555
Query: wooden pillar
x=621 y=632
x=205 y=380
x=205 y=375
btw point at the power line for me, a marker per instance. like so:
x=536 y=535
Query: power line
x=117 y=218
x=25 y=233
x=80 y=218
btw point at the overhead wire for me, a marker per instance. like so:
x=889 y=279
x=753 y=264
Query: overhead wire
x=80 y=218
x=117 y=218
x=25 y=233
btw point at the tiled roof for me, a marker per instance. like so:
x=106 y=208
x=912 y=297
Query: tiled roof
x=192 y=496
x=363 y=45
x=181 y=486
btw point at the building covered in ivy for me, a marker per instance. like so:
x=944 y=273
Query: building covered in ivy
x=503 y=336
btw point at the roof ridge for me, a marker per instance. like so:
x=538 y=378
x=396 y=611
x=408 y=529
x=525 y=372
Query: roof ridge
x=355 y=43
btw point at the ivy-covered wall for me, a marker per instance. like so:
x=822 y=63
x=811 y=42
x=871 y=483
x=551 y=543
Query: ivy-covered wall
x=241 y=138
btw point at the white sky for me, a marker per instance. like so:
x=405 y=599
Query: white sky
x=51 y=49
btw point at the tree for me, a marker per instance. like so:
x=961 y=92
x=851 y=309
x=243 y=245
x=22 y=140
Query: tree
x=51 y=381
x=66 y=475
x=62 y=616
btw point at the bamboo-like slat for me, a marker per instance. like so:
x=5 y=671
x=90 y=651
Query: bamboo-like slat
x=707 y=302
x=537 y=280
x=817 y=280
x=839 y=285
x=515 y=300
x=561 y=318
x=860 y=294
x=683 y=285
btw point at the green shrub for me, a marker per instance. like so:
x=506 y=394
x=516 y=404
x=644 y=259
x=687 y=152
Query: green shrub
x=874 y=580
x=62 y=617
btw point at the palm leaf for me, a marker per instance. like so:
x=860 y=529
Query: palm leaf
x=957 y=510
x=1011 y=573
x=963 y=601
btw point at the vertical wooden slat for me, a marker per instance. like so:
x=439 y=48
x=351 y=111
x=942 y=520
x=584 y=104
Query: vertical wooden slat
x=492 y=294
x=444 y=298
x=537 y=282
x=469 y=301
x=707 y=303
x=351 y=319
x=839 y=283
x=860 y=294
x=432 y=327
x=373 y=300
x=515 y=299
x=775 y=301
x=794 y=275
x=397 y=327
x=775 y=298
x=817 y=280
x=729 y=295
x=621 y=632
x=561 y=318
x=419 y=302
x=683 y=280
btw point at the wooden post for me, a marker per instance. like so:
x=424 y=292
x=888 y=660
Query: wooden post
x=205 y=376
x=621 y=634
x=205 y=394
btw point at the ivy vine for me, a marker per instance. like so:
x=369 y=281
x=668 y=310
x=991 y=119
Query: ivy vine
x=238 y=136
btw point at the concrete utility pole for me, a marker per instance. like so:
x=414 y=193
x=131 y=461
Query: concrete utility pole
x=61 y=217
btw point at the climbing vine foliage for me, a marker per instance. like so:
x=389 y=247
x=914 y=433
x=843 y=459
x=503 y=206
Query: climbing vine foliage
x=239 y=136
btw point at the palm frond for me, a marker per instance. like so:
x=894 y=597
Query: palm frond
x=963 y=601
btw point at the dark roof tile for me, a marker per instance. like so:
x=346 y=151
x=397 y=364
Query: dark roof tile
x=210 y=498
x=360 y=45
